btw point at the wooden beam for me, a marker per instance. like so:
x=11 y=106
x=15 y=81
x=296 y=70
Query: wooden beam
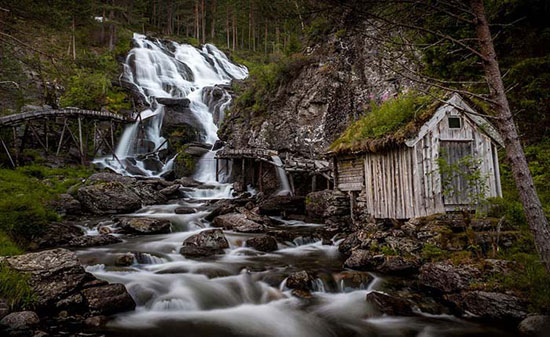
x=61 y=137
x=8 y=153
x=81 y=147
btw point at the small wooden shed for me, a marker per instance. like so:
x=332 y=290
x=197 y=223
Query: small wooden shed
x=402 y=179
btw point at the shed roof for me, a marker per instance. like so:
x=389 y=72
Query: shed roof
x=415 y=128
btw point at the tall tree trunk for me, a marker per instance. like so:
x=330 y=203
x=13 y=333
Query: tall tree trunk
x=74 y=41
x=538 y=223
x=203 y=22
x=112 y=27
x=277 y=37
x=250 y=26
x=213 y=21
x=227 y=25
x=265 y=38
x=234 y=30
x=196 y=22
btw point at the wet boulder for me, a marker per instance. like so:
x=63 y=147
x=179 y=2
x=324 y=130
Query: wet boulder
x=301 y=280
x=124 y=260
x=172 y=191
x=282 y=205
x=185 y=210
x=534 y=326
x=21 y=320
x=187 y=182
x=491 y=306
x=264 y=243
x=363 y=259
x=59 y=282
x=57 y=234
x=108 y=198
x=220 y=208
x=444 y=277
x=67 y=204
x=238 y=222
x=108 y=299
x=141 y=225
x=205 y=243
x=352 y=280
x=54 y=274
x=398 y=265
x=389 y=305
x=94 y=240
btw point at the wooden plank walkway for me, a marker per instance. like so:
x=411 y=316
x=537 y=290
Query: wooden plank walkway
x=20 y=118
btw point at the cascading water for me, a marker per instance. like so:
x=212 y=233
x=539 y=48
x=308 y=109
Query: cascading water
x=284 y=186
x=174 y=71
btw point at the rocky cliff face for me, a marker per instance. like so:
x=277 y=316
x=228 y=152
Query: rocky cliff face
x=308 y=112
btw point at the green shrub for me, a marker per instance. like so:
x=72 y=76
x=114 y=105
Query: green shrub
x=15 y=289
x=86 y=90
x=531 y=278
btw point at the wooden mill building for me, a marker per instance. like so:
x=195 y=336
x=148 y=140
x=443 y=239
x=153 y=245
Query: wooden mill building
x=401 y=179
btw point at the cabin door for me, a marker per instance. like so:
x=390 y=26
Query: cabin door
x=455 y=172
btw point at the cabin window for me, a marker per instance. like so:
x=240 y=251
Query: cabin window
x=455 y=122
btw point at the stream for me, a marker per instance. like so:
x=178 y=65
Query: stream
x=241 y=292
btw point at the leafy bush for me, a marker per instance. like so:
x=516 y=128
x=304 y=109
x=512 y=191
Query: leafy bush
x=86 y=90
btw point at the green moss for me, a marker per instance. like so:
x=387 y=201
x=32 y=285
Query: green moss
x=15 y=289
x=433 y=253
x=24 y=197
x=386 y=250
x=383 y=119
x=265 y=80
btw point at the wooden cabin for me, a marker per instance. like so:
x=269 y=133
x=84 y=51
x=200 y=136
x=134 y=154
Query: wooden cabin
x=403 y=180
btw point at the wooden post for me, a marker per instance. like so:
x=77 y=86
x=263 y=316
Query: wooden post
x=291 y=180
x=7 y=152
x=243 y=173
x=81 y=147
x=61 y=138
x=112 y=138
x=335 y=173
x=15 y=145
x=46 y=134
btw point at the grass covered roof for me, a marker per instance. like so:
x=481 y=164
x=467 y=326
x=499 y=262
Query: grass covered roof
x=387 y=125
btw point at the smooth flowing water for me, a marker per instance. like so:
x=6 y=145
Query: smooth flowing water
x=243 y=291
x=171 y=71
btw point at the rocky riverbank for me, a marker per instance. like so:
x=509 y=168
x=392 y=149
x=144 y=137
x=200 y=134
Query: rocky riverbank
x=435 y=265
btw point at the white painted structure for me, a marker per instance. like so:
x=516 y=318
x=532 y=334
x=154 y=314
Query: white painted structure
x=405 y=182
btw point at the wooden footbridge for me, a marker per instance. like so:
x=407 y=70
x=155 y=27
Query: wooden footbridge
x=86 y=132
x=252 y=159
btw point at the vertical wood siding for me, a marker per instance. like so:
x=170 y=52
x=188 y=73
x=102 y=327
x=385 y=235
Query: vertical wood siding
x=406 y=183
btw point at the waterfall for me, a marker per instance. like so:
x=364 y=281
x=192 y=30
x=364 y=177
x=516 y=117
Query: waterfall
x=174 y=71
x=284 y=188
